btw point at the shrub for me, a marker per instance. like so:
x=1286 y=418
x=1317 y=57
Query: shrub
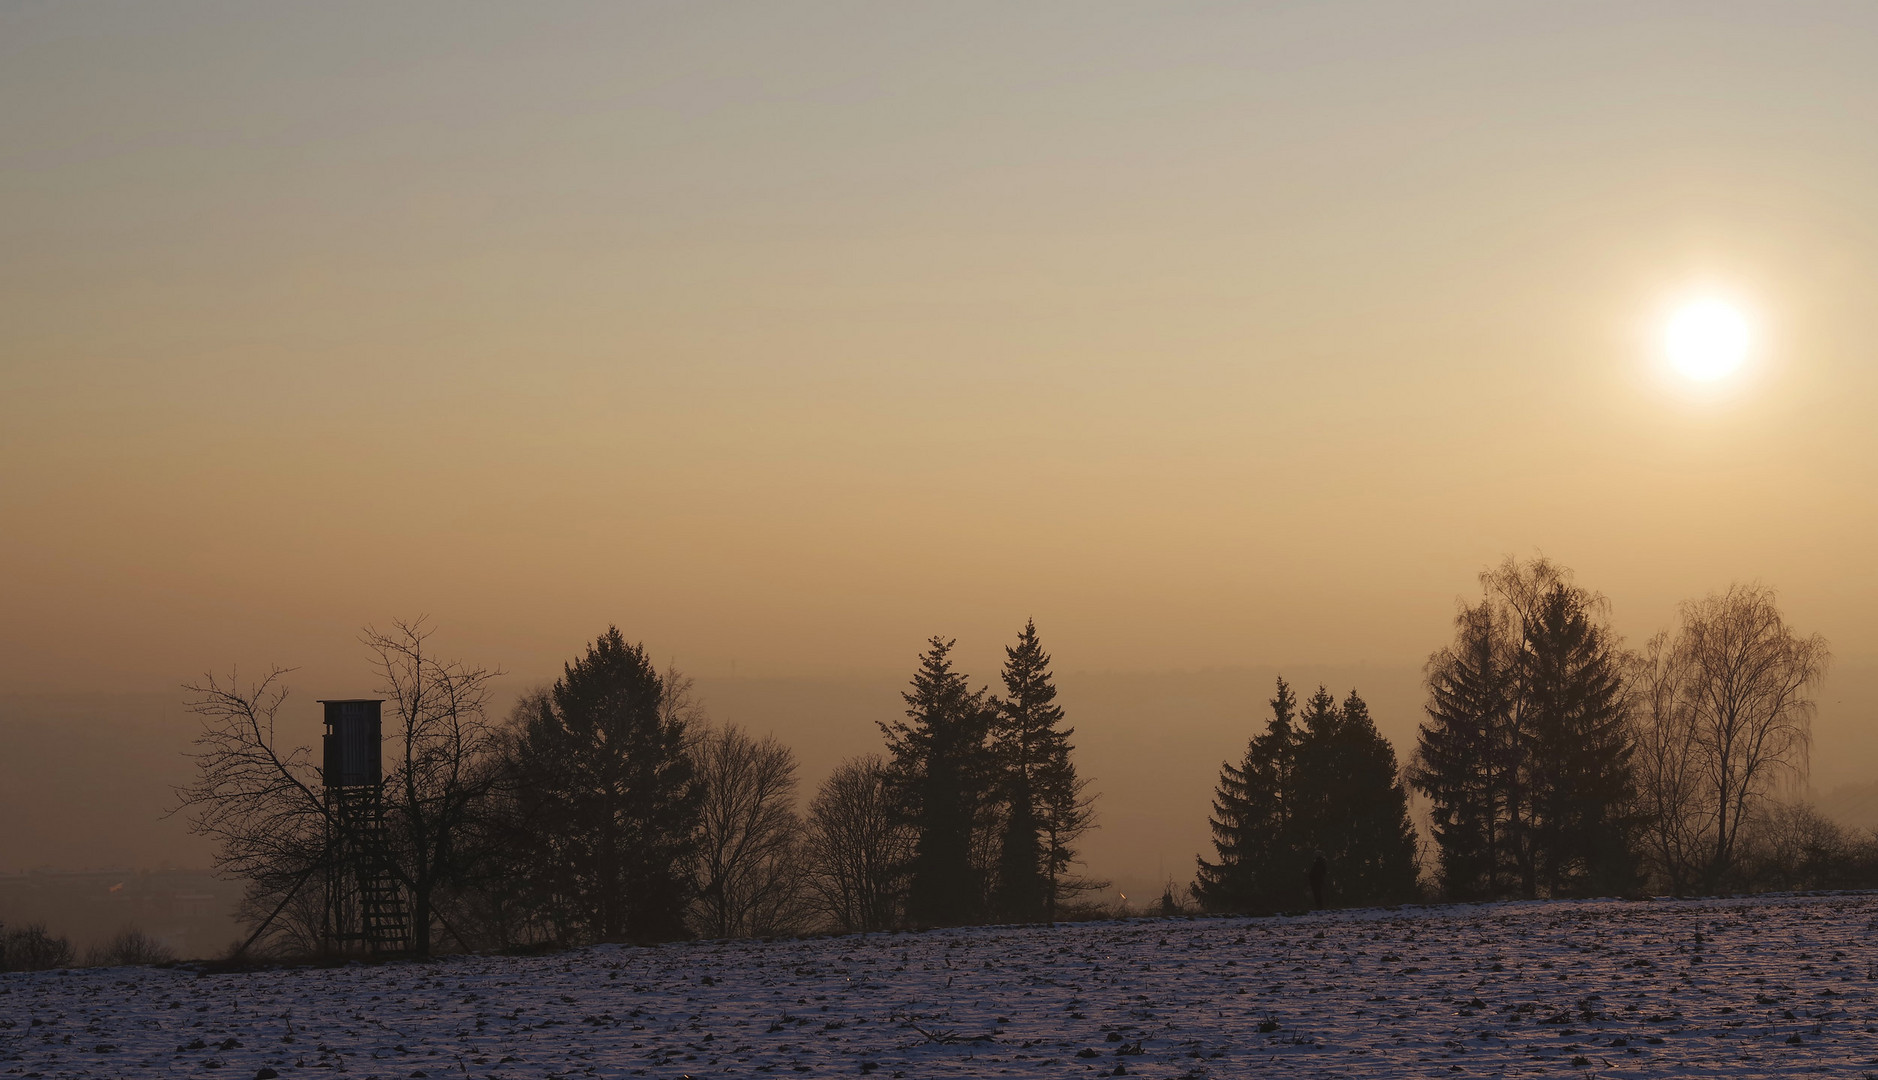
x=30 y=948
x=130 y=946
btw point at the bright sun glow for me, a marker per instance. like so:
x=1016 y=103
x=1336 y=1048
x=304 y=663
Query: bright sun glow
x=1707 y=339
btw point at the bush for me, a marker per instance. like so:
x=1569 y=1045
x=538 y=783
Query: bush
x=131 y=946
x=1177 y=899
x=1792 y=847
x=30 y=948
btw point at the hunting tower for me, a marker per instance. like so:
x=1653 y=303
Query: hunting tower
x=364 y=903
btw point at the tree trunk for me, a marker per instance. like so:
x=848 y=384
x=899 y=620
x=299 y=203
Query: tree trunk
x=420 y=919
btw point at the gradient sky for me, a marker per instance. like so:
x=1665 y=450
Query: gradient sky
x=783 y=336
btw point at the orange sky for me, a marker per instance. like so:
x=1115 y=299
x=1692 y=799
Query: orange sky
x=786 y=335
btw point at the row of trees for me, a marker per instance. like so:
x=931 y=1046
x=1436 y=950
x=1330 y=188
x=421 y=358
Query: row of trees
x=1558 y=763
x=1321 y=783
x=1555 y=762
x=606 y=807
x=1526 y=752
x=987 y=785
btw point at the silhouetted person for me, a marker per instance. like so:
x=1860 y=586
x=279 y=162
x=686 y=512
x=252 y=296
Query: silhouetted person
x=1320 y=866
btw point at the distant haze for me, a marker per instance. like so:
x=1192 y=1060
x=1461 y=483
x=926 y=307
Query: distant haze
x=1223 y=340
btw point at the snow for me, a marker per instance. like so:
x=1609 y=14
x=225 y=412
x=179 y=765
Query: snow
x=1764 y=986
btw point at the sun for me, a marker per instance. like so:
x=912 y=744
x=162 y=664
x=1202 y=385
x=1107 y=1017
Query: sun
x=1707 y=339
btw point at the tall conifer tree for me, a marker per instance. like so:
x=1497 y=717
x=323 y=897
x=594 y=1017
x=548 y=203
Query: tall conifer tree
x=1252 y=835
x=1318 y=779
x=1358 y=806
x=1527 y=749
x=1463 y=758
x=1226 y=884
x=941 y=774
x=1581 y=778
x=1044 y=807
x=609 y=797
x=1316 y=782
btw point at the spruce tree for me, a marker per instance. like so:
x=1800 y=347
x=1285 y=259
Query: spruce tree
x=1044 y=808
x=1272 y=783
x=609 y=798
x=1317 y=781
x=1226 y=885
x=1526 y=753
x=941 y=773
x=1362 y=820
x=1581 y=780
x=1322 y=778
x=1464 y=758
x=1253 y=838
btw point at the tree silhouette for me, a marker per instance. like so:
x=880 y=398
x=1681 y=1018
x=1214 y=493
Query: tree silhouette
x=1045 y=808
x=440 y=746
x=1465 y=761
x=1581 y=742
x=941 y=773
x=1318 y=780
x=1526 y=753
x=749 y=872
x=1736 y=699
x=1253 y=839
x=857 y=847
x=1674 y=804
x=1352 y=805
x=609 y=797
x=259 y=801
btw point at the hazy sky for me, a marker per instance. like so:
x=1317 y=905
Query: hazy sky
x=786 y=335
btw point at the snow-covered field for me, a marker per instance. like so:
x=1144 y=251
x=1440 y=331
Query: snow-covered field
x=1754 y=987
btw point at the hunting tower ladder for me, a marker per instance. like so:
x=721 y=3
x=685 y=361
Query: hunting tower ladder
x=364 y=896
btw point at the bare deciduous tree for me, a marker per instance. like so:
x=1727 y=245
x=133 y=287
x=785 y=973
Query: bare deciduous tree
x=681 y=704
x=258 y=801
x=496 y=900
x=441 y=748
x=262 y=802
x=1724 y=714
x=749 y=878
x=1746 y=680
x=856 y=849
x=1673 y=802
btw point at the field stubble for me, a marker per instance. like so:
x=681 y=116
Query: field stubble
x=1764 y=986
